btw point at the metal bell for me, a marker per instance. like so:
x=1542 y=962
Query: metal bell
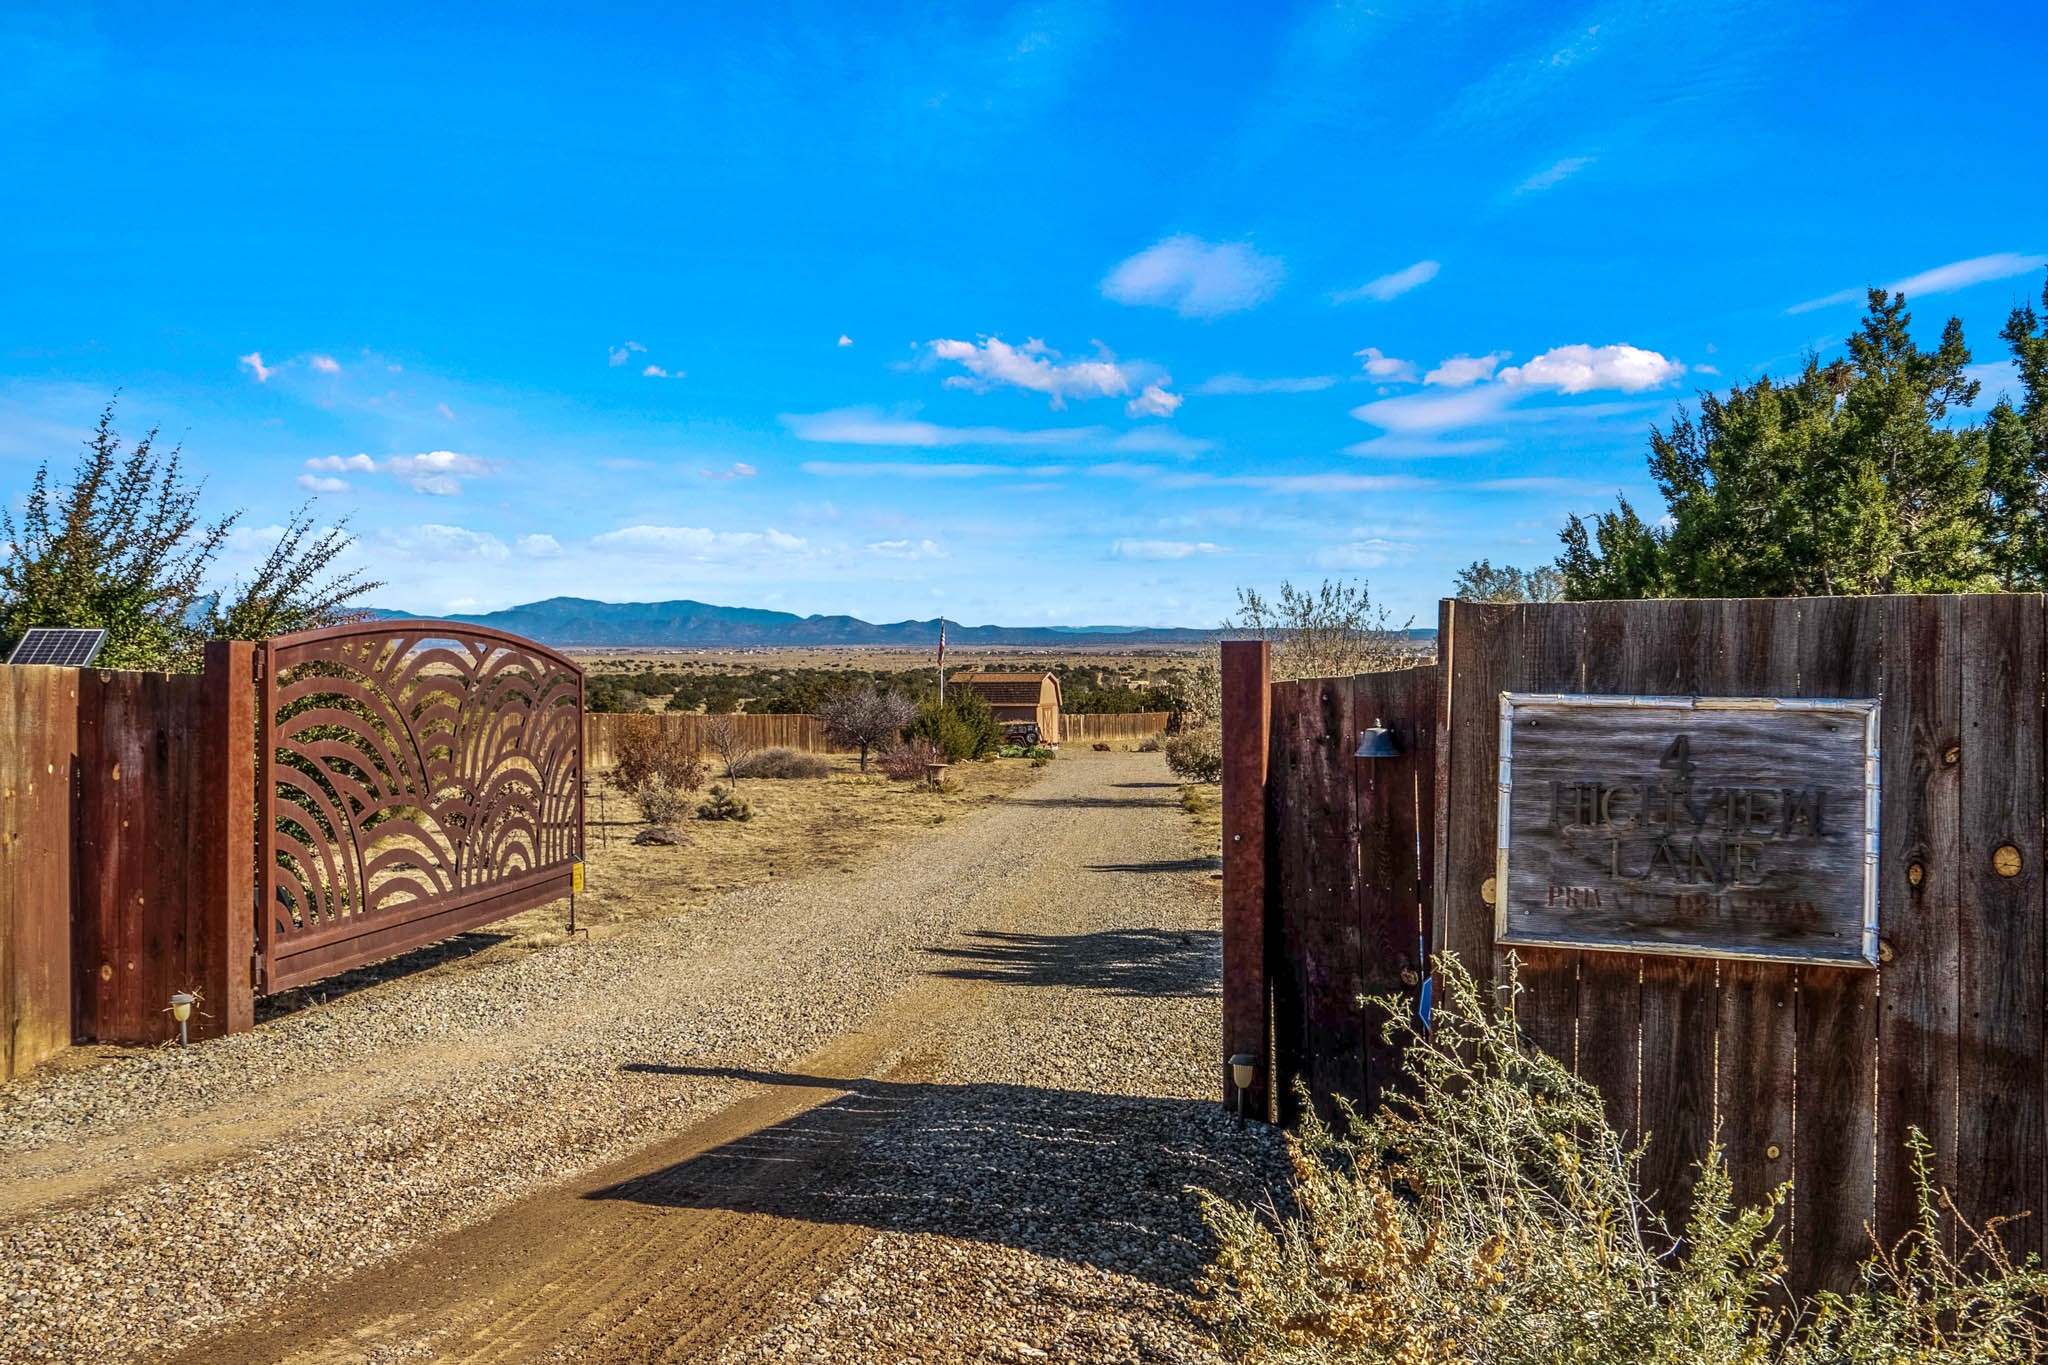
x=1378 y=742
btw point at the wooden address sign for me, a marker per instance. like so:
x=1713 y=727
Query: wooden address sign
x=1701 y=826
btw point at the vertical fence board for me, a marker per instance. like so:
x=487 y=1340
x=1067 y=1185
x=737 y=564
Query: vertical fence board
x=1550 y=658
x=38 y=728
x=1393 y=814
x=1247 y=704
x=1919 y=889
x=1290 y=900
x=2000 y=1129
x=1482 y=645
x=1841 y=649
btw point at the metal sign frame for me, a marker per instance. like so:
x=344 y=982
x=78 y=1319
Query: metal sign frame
x=1867 y=711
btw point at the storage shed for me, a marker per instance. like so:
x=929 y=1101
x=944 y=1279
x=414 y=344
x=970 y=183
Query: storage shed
x=1014 y=697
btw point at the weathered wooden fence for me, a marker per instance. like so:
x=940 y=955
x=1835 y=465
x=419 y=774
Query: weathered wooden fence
x=1129 y=728
x=1807 y=1075
x=602 y=731
x=128 y=840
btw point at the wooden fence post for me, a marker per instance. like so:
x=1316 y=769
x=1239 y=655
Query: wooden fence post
x=1247 y=708
x=224 y=911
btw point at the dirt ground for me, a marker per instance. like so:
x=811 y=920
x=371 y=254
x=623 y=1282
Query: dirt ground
x=946 y=1101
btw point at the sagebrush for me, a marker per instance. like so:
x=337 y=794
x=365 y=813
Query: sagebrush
x=661 y=801
x=1494 y=1216
x=650 y=749
x=780 y=761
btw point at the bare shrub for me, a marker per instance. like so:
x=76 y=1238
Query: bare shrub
x=866 y=718
x=649 y=748
x=781 y=761
x=724 y=803
x=1494 y=1215
x=661 y=801
x=1196 y=755
x=1151 y=744
x=905 y=760
x=723 y=737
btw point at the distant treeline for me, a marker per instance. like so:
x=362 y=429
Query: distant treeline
x=1086 y=689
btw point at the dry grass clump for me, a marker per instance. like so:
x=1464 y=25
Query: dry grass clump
x=1497 y=1218
x=661 y=801
x=785 y=763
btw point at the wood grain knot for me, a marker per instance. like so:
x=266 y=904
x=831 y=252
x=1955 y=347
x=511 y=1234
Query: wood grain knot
x=1916 y=873
x=1884 y=950
x=1951 y=754
x=2005 y=860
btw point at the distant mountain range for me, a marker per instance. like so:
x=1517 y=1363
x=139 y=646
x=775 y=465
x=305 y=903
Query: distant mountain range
x=579 y=622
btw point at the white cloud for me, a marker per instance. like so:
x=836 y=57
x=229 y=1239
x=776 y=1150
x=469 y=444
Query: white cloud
x=1153 y=401
x=253 y=362
x=1580 y=368
x=1423 y=413
x=1554 y=174
x=1942 y=279
x=1460 y=370
x=439 y=472
x=621 y=354
x=434 y=541
x=1368 y=553
x=1038 y=368
x=699 y=544
x=445 y=411
x=538 y=546
x=1164 y=549
x=736 y=470
x=1706 y=369
x=1160 y=441
x=1196 y=279
x=326 y=364
x=845 y=340
x=906 y=549
x=1995 y=376
x=1385 y=368
x=1422 y=447
x=656 y=372
x=1392 y=285
x=1238 y=384
x=323 y=483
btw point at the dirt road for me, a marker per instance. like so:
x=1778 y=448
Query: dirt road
x=947 y=1106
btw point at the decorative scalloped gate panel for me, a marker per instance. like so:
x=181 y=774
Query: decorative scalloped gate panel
x=415 y=779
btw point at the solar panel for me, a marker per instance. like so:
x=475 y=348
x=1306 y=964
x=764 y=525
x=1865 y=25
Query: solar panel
x=65 y=646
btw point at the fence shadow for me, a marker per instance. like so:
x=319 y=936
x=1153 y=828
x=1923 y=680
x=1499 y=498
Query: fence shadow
x=332 y=988
x=1104 y=1180
x=1148 y=962
x=1206 y=863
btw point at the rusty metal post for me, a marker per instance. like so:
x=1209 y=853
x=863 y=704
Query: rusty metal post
x=225 y=928
x=1247 y=714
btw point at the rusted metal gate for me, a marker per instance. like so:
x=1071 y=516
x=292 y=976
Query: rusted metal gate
x=416 y=779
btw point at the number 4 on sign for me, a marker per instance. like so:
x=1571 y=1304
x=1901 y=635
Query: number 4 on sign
x=1679 y=756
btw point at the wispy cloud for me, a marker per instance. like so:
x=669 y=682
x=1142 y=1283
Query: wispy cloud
x=253 y=363
x=1422 y=447
x=845 y=340
x=326 y=364
x=1392 y=285
x=1942 y=279
x=906 y=549
x=1235 y=384
x=700 y=544
x=867 y=427
x=736 y=470
x=1556 y=173
x=1038 y=368
x=621 y=354
x=1195 y=278
x=1459 y=371
x=1367 y=553
x=438 y=472
x=538 y=546
x=656 y=372
x=1164 y=549
x=1153 y=401
x=905 y=469
x=1385 y=368
x=1424 y=413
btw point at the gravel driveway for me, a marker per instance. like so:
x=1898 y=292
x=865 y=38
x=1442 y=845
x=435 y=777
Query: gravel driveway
x=946 y=1106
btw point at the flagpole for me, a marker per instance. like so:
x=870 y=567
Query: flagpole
x=942 y=661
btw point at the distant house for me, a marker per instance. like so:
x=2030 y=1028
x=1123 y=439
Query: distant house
x=1032 y=698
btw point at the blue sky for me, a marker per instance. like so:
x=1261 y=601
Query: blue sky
x=1038 y=313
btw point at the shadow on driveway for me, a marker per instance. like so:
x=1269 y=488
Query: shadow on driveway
x=1151 y=962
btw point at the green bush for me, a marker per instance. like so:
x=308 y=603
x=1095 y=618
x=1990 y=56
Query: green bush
x=723 y=803
x=1196 y=755
x=961 y=729
x=1496 y=1217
